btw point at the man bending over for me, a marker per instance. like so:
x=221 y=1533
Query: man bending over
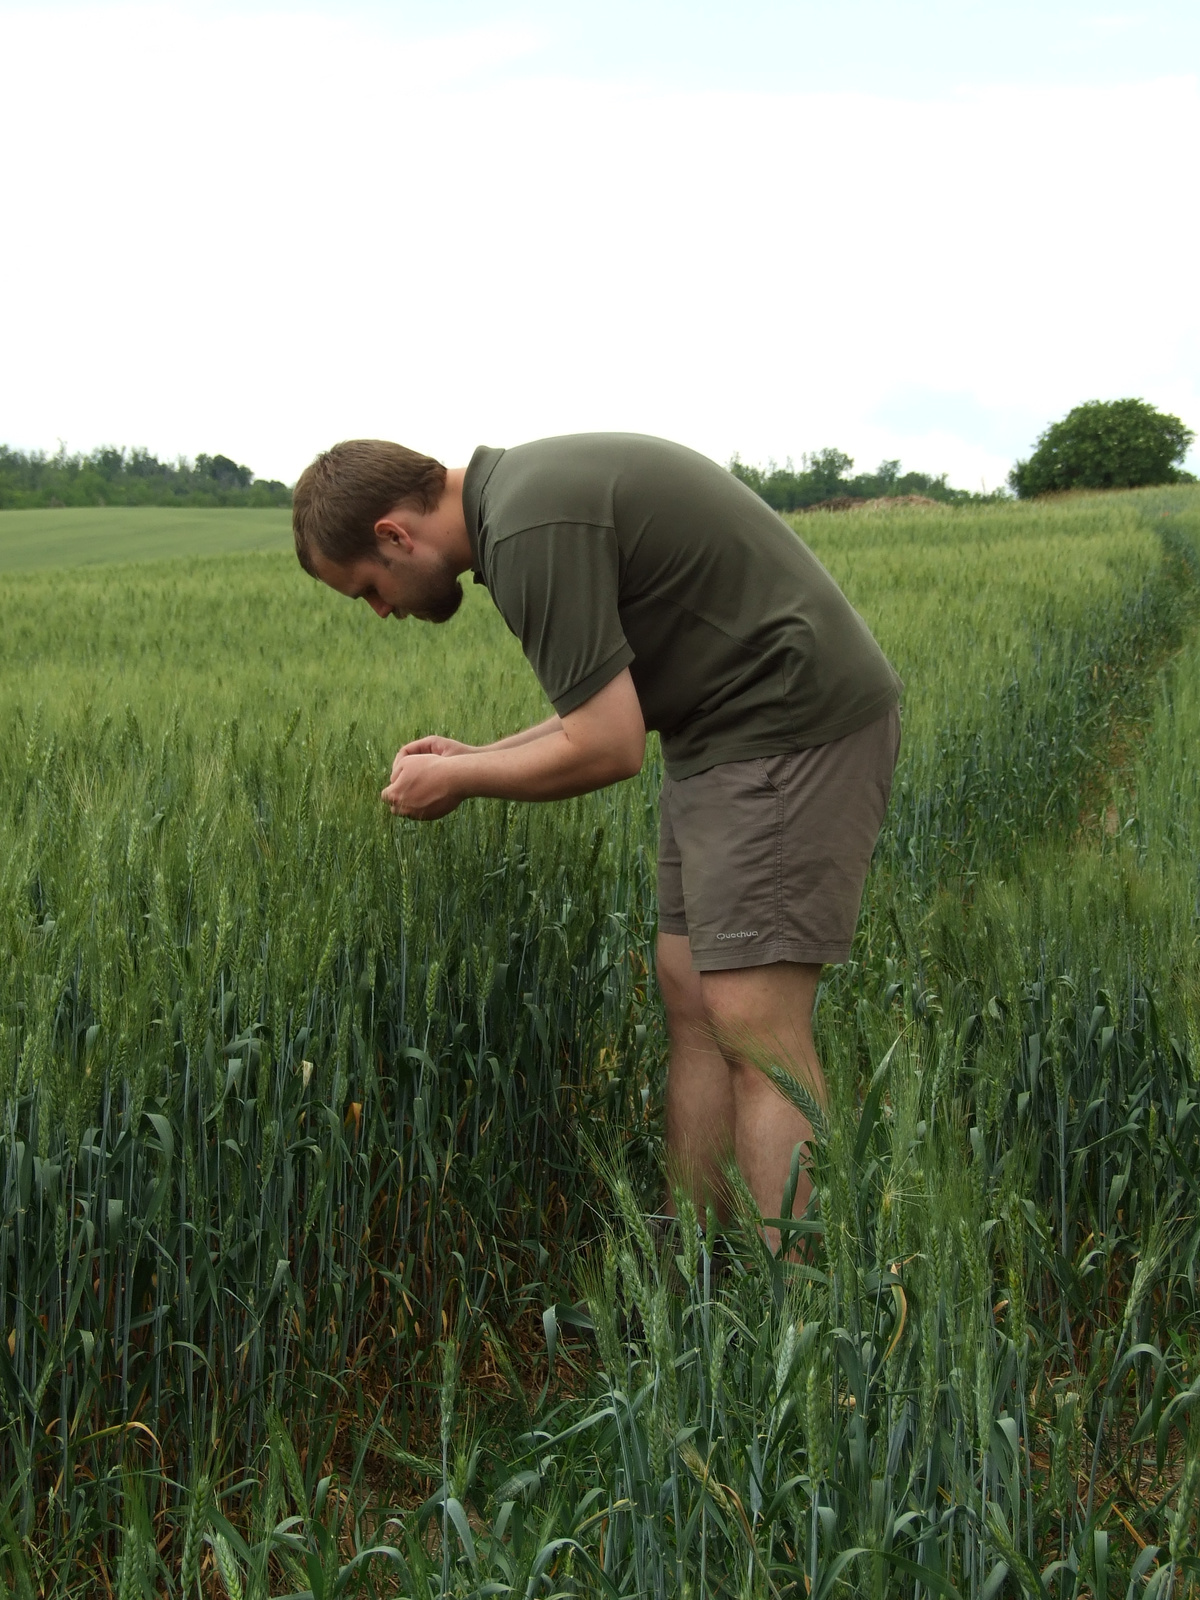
x=651 y=589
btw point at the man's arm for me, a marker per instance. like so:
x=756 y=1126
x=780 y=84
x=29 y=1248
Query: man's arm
x=436 y=744
x=600 y=742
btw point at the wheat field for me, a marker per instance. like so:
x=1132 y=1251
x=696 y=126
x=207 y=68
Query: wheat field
x=329 y=1140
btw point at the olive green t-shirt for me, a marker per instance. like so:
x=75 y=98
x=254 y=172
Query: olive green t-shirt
x=611 y=550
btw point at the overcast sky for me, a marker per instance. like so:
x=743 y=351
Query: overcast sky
x=922 y=230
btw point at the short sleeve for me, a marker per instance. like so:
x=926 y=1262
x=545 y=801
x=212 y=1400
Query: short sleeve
x=556 y=587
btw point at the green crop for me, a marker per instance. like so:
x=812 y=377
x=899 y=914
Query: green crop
x=102 y=535
x=328 y=1140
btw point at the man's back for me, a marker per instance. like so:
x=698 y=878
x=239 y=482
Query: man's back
x=610 y=550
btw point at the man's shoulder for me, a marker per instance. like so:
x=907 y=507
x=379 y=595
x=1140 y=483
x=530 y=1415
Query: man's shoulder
x=582 y=478
x=568 y=479
x=601 y=454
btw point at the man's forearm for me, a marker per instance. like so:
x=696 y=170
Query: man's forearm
x=543 y=767
x=526 y=736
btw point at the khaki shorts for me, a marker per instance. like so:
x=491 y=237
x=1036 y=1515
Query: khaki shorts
x=765 y=860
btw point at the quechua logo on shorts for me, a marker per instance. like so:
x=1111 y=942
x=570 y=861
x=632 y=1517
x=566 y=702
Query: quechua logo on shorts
x=746 y=933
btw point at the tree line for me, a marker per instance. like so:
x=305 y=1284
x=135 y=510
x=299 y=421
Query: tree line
x=824 y=476
x=115 y=476
x=1112 y=444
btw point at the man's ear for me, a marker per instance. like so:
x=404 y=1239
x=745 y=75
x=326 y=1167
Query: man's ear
x=393 y=535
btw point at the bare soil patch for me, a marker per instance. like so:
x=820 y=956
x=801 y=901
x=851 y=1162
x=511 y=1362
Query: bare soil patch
x=849 y=502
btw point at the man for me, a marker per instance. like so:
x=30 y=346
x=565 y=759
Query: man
x=651 y=589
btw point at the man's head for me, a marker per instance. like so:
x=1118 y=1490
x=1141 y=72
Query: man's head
x=364 y=518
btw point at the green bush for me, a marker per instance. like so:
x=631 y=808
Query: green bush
x=1105 y=444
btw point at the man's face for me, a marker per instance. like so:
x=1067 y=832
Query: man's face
x=416 y=582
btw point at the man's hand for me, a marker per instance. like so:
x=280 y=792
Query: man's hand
x=433 y=744
x=420 y=786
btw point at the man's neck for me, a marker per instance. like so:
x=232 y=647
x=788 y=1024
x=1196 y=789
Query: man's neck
x=452 y=522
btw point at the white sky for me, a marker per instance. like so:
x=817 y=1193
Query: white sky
x=906 y=229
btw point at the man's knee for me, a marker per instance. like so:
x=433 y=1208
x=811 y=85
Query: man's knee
x=763 y=1013
x=732 y=1002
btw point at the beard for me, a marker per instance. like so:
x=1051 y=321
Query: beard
x=444 y=600
x=434 y=593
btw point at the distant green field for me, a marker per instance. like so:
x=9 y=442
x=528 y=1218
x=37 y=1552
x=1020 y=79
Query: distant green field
x=83 y=536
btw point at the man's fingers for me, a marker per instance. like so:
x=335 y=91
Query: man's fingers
x=419 y=747
x=413 y=813
x=418 y=788
x=393 y=798
x=434 y=744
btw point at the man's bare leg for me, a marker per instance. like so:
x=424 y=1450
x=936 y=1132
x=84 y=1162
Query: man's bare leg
x=700 y=1106
x=769 y=1008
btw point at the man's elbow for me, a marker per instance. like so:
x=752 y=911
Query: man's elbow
x=627 y=758
x=610 y=763
x=607 y=736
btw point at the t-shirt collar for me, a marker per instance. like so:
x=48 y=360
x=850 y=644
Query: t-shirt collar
x=481 y=467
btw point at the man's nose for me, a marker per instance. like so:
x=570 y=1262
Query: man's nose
x=379 y=607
